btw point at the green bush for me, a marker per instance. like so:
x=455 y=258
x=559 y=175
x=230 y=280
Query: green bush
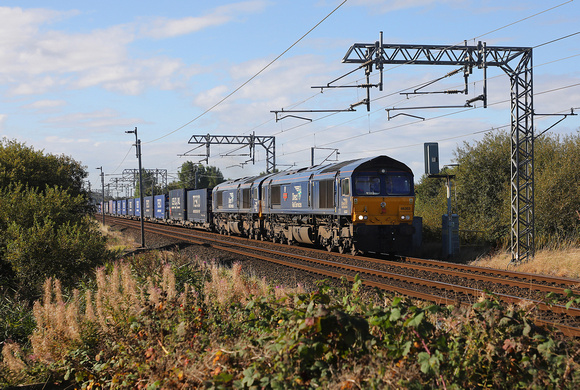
x=45 y=225
x=481 y=193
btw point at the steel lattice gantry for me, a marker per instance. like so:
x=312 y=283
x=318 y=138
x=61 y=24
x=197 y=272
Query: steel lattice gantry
x=133 y=174
x=267 y=142
x=517 y=64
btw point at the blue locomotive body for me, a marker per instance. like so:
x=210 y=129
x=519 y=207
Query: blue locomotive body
x=363 y=205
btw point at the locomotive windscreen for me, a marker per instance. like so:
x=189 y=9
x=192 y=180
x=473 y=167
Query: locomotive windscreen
x=376 y=184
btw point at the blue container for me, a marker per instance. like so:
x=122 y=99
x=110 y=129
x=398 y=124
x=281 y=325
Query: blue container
x=160 y=207
x=131 y=207
x=148 y=207
x=177 y=204
x=137 y=207
x=199 y=205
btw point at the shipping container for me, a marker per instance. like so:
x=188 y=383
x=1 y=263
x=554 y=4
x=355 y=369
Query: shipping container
x=160 y=207
x=177 y=205
x=137 y=207
x=199 y=207
x=148 y=207
x=131 y=207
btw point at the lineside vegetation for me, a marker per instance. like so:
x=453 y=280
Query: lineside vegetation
x=201 y=326
x=482 y=197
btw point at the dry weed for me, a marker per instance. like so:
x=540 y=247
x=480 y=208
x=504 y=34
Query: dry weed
x=564 y=262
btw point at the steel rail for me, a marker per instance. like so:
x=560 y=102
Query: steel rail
x=515 y=274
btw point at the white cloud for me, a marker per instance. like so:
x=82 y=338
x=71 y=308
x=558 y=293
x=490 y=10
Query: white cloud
x=33 y=61
x=2 y=120
x=43 y=104
x=166 y=28
x=107 y=120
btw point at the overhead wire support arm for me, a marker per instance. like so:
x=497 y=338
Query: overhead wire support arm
x=276 y=112
x=564 y=116
x=453 y=91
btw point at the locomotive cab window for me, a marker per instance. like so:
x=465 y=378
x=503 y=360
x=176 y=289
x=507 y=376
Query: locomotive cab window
x=398 y=184
x=367 y=185
x=383 y=184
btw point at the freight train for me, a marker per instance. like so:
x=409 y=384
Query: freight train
x=356 y=206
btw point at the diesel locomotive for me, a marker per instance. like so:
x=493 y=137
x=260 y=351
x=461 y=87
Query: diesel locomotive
x=356 y=206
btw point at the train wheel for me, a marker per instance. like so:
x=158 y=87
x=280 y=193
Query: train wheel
x=354 y=251
x=329 y=247
x=341 y=249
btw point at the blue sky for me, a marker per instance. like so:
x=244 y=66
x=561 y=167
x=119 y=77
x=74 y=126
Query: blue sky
x=74 y=76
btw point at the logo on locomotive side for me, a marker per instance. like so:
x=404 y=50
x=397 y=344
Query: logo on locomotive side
x=297 y=196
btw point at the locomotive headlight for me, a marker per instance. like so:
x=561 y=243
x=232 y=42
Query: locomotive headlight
x=360 y=217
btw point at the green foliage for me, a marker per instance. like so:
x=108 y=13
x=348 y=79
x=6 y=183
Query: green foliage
x=66 y=251
x=199 y=176
x=45 y=229
x=483 y=185
x=17 y=320
x=431 y=204
x=32 y=168
x=481 y=193
x=557 y=186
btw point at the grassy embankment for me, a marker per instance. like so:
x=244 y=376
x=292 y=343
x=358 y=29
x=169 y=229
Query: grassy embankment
x=563 y=262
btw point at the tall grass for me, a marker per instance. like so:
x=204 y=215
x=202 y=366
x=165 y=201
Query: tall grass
x=562 y=262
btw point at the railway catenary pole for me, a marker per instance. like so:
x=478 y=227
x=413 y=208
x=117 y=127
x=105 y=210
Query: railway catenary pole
x=103 y=192
x=516 y=62
x=141 y=202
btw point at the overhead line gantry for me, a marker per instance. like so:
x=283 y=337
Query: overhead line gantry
x=516 y=62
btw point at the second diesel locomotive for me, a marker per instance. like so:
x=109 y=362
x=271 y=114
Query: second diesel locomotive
x=363 y=205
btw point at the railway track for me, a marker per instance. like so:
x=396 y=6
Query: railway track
x=439 y=282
